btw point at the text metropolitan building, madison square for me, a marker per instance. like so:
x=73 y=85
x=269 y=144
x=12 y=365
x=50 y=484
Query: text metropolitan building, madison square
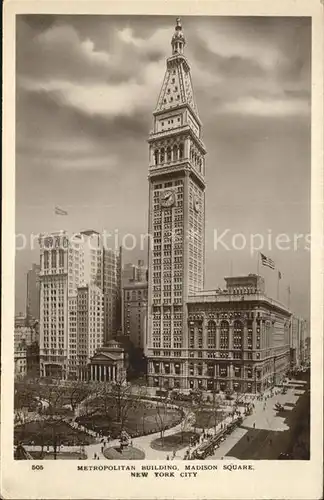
x=233 y=339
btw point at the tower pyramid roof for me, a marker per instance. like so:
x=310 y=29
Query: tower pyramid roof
x=177 y=85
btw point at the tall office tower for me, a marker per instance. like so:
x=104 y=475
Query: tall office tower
x=54 y=281
x=90 y=325
x=134 y=312
x=33 y=293
x=66 y=264
x=176 y=211
x=85 y=278
x=112 y=293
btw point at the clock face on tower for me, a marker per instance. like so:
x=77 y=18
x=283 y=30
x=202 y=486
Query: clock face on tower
x=167 y=198
x=196 y=204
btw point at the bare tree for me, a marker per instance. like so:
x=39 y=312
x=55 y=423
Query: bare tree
x=161 y=417
x=118 y=399
x=49 y=400
x=78 y=391
x=187 y=421
x=215 y=410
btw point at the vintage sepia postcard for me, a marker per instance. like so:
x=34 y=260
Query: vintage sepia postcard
x=162 y=250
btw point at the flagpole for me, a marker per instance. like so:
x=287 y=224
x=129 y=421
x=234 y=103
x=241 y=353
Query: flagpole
x=258 y=264
x=231 y=268
x=278 y=285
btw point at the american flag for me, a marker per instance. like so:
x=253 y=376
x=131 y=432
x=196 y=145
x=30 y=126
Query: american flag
x=266 y=261
x=60 y=211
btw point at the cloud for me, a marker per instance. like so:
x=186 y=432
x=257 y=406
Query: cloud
x=266 y=108
x=102 y=98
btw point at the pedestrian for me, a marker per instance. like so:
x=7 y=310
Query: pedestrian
x=254 y=425
x=95 y=456
x=168 y=458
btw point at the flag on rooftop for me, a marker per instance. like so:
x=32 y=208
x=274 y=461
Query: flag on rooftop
x=60 y=211
x=279 y=275
x=266 y=261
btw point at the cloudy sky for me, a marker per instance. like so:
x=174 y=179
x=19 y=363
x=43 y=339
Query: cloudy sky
x=86 y=89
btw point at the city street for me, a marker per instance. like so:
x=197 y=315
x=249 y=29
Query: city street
x=267 y=433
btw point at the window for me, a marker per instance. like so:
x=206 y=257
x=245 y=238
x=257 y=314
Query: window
x=238 y=335
x=224 y=335
x=61 y=258
x=46 y=259
x=211 y=335
x=210 y=369
x=181 y=151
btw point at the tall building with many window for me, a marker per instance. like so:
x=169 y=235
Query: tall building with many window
x=55 y=283
x=176 y=207
x=236 y=339
x=134 y=312
x=112 y=293
x=77 y=278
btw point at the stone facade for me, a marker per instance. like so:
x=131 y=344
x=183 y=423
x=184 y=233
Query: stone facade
x=107 y=365
x=236 y=342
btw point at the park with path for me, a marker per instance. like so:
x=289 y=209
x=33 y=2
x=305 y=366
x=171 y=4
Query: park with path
x=157 y=429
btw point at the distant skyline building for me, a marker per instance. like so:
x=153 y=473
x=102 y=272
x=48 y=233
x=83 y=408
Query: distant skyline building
x=298 y=344
x=134 y=272
x=33 y=293
x=26 y=349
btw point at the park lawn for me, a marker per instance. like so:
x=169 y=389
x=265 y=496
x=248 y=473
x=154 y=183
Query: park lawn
x=128 y=453
x=173 y=442
x=64 y=455
x=139 y=421
x=43 y=434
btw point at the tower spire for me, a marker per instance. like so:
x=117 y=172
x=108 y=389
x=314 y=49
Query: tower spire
x=178 y=40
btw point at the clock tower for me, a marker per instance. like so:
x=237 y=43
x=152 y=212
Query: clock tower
x=176 y=220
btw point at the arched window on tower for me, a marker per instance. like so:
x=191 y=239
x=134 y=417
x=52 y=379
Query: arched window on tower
x=238 y=335
x=169 y=154
x=199 y=336
x=162 y=155
x=175 y=152
x=224 y=335
x=181 y=151
x=211 y=335
x=268 y=334
x=156 y=157
x=53 y=256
